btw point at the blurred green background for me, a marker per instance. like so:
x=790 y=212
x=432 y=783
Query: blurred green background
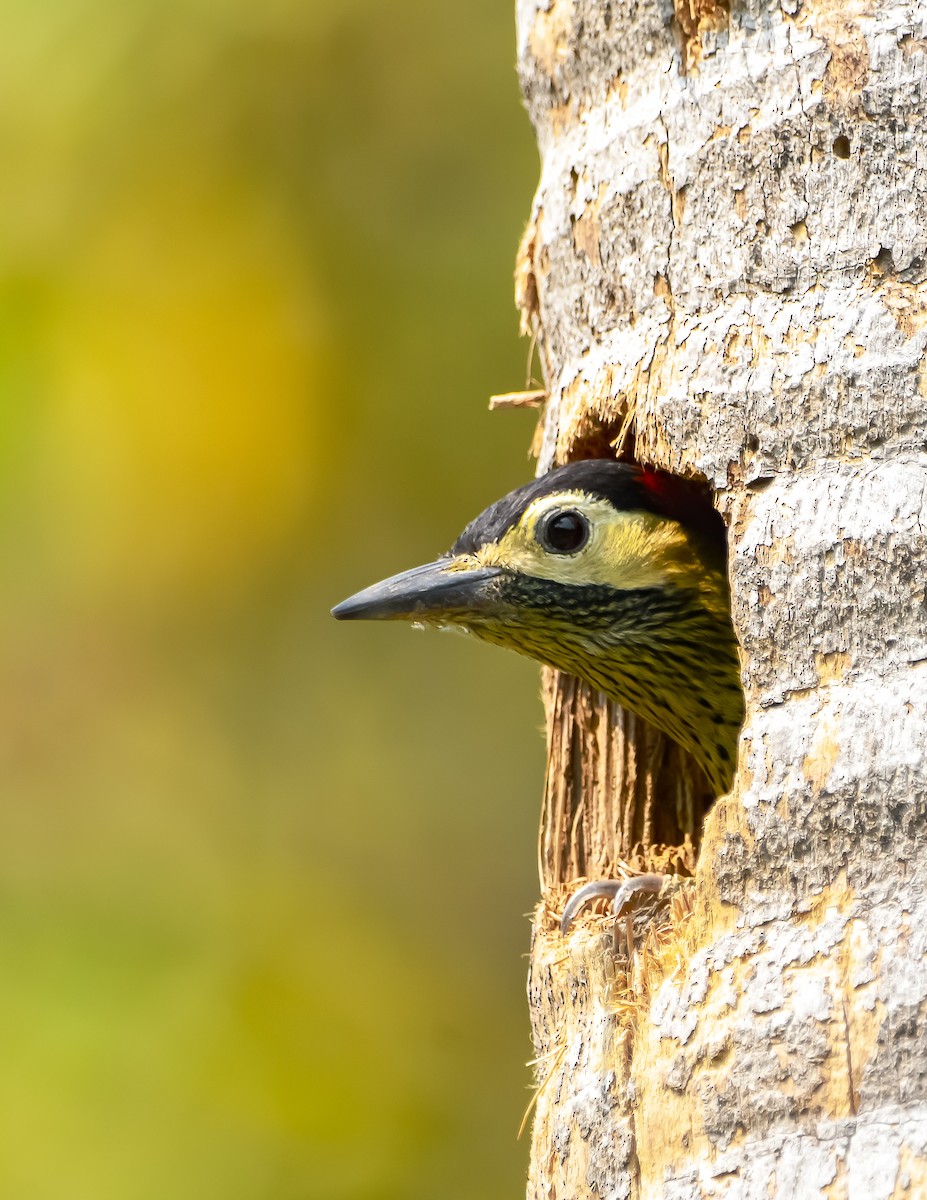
x=262 y=877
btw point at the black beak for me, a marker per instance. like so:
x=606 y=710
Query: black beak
x=437 y=589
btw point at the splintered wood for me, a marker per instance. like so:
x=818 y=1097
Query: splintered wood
x=727 y=251
x=626 y=793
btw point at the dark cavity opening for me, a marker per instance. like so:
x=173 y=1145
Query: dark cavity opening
x=619 y=789
x=841 y=146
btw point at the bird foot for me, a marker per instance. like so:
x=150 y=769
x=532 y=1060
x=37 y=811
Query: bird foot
x=621 y=892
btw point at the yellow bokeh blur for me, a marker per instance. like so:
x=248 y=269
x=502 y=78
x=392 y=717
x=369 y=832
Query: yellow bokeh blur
x=262 y=878
x=182 y=416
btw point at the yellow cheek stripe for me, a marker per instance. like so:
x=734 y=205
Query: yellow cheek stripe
x=624 y=550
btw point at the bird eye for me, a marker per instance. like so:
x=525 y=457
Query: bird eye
x=564 y=532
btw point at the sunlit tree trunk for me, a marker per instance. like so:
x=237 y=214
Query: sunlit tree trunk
x=725 y=270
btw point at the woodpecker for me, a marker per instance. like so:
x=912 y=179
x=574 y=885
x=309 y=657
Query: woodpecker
x=610 y=572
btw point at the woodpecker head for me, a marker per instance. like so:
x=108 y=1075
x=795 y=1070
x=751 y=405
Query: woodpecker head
x=606 y=571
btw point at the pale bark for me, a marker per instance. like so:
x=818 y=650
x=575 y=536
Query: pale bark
x=728 y=243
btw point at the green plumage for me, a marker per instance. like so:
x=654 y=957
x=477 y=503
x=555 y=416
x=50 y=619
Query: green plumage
x=609 y=573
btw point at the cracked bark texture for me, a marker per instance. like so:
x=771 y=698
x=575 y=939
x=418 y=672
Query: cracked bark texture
x=727 y=248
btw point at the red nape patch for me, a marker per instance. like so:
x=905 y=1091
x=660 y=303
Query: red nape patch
x=682 y=500
x=657 y=481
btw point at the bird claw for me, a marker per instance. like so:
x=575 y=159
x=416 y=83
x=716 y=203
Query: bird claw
x=619 y=891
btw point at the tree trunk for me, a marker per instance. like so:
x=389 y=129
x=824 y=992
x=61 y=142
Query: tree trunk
x=725 y=267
